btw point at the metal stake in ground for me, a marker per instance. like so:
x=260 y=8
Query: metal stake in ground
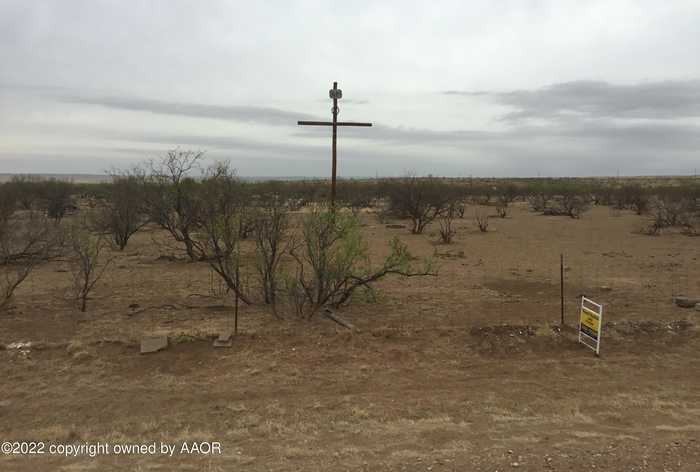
x=561 y=281
x=336 y=94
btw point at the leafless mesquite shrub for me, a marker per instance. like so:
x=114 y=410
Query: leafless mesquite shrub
x=632 y=196
x=11 y=274
x=506 y=195
x=559 y=198
x=8 y=202
x=27 y=189
x=88 y=261
x=172 y=197
x=658 y=219
x=272 y=241
x=27 y=239
x=573 y=204
x=247 y=219
x=30 y=236
x=296 y=296
x=124 y=212
x=422 y=199
x=481 y=219
x=57 y=198
x=332 y=261
x=667 y=211
x=357 y=194
x=481 y=194
x=446 y=220
x=218 y=232
x=640 y=203
x=539 y=201
x=539 y=196
x=11 y=277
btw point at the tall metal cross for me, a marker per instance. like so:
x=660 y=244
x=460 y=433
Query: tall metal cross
x=336 y=94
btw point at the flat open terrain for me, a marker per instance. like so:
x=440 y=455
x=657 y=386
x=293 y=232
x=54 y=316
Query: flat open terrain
x=466 y=371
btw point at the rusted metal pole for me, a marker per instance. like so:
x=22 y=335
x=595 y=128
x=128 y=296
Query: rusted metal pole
x=235 y=316
x=335 y=138
x=235 y=308
x=561 y=278
x=335 y=94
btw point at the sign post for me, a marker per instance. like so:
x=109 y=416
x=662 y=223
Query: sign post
x=590 y=324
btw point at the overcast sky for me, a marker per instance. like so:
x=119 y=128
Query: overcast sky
x=502 y=88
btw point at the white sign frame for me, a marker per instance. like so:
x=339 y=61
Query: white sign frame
x=595 y=310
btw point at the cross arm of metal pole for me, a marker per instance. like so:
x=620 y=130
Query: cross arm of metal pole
x=315 y=123
x=352 y=123
x=330 y=123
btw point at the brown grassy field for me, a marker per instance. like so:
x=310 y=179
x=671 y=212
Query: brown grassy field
x=469 y=370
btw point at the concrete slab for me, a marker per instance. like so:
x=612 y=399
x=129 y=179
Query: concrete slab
x=153 y=344
x=225 y=339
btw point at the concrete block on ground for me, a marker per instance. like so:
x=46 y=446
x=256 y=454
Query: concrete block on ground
x=225 y=339
x=153 y=344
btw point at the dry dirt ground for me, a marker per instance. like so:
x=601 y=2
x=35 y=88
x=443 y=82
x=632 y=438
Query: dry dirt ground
x=467 y=371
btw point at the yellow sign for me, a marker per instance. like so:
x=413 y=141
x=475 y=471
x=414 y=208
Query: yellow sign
x=590 y=323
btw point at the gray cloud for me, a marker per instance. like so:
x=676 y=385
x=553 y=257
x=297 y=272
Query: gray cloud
x=657 y=135
x=252 y=114
x=225 y=143
x=651 y=100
